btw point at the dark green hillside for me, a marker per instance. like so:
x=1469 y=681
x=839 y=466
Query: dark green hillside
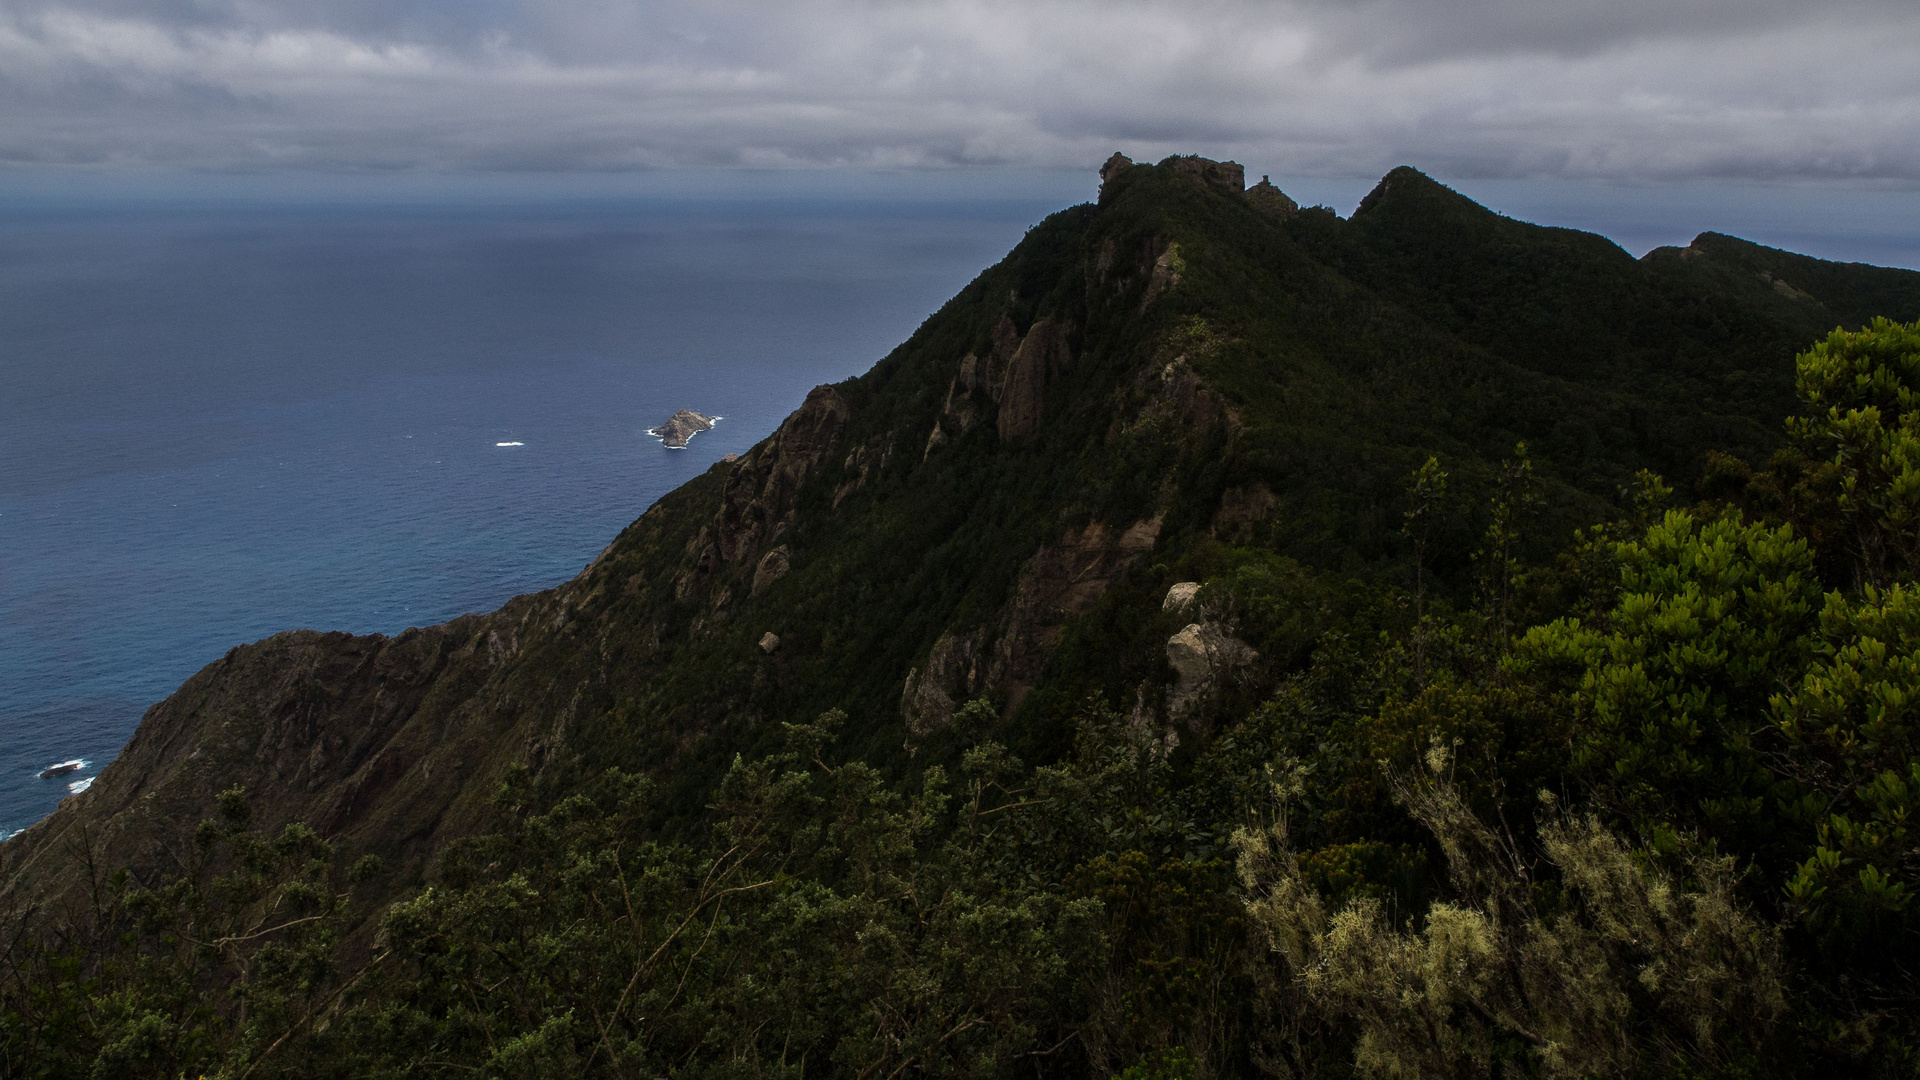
x=1241 y=378
x=1120 y=539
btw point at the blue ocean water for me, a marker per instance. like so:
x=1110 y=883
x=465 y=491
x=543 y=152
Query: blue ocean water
x=219 y=420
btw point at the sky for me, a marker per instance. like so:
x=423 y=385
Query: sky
x=1634 y=91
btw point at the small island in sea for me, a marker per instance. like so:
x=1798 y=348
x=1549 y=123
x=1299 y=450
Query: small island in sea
x=682 y=426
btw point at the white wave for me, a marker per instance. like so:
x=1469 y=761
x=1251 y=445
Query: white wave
x=509 y=444
x=79 y=786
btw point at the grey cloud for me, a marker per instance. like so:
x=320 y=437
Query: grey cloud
x=1634 y=89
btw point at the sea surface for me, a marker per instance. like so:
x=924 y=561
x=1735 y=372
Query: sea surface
x=230 y=407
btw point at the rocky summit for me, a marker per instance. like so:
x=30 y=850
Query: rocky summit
x=1032 y=702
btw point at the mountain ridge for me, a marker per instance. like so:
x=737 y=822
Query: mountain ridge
x=1154 y=388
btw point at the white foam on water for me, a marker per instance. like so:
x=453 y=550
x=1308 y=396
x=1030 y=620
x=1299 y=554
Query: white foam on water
x=79 y=786
x=509 y=444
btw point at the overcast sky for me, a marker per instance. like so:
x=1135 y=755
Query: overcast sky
x=1595 y=89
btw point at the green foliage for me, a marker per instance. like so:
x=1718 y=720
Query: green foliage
x=208 y=970
x=1671 y=687
x=1614 y=969
x=1861 y=393
x=1851 y=727
x=979 y=922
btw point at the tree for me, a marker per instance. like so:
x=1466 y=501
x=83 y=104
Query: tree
x=1426 y=499
x=1861 y=392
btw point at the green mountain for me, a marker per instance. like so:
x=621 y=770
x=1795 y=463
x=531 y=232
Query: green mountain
x=1186 y=382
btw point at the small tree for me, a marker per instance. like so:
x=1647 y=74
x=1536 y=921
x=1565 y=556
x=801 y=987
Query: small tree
x=1426 y=500
x=1498 y=559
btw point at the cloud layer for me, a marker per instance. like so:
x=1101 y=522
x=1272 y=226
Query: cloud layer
x=1632 y=89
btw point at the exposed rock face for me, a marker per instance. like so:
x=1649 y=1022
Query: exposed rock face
x=1271 y=200
x=757 y=505
x=952 y=675
x=773 y=566
x=1202 y=655
x=1014 y=376
x=1041 y=356
x=979 y=381
x=680 y=427
x=1180 y=597
x=1061 y=581
x=1165 y=275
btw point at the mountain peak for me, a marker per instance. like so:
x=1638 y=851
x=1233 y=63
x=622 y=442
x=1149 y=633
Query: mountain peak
x=1409 y=188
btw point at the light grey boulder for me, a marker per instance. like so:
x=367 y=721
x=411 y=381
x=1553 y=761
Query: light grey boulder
x=1180 y=597
x=1203 y=655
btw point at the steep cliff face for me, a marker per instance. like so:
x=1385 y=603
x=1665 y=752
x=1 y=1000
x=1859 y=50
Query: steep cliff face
x=373 y=740
x=1142 y=393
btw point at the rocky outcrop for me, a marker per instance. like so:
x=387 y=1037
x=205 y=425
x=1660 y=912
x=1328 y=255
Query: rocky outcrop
x=1164 y=275
x=978 y=383
x=1041 y=357
x=1115 y=165
x=680 y=427
x=952 y=675
x=1268 y=199
x=1180 y=597
x=1013 y=377
x=757 y=504
x=773 y=566
x=1061 y=581
x=1203 y=655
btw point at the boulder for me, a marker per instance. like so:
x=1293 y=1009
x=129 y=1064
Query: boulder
x=1202 y=655
x=769 y=642
x=1180 y=597
x=773 y=566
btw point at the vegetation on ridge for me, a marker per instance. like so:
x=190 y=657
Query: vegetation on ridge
x=1503 y=758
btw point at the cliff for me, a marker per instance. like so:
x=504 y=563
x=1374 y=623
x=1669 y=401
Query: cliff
x=1147 y=391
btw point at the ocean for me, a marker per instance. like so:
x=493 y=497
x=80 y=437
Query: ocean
x=230 y=407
